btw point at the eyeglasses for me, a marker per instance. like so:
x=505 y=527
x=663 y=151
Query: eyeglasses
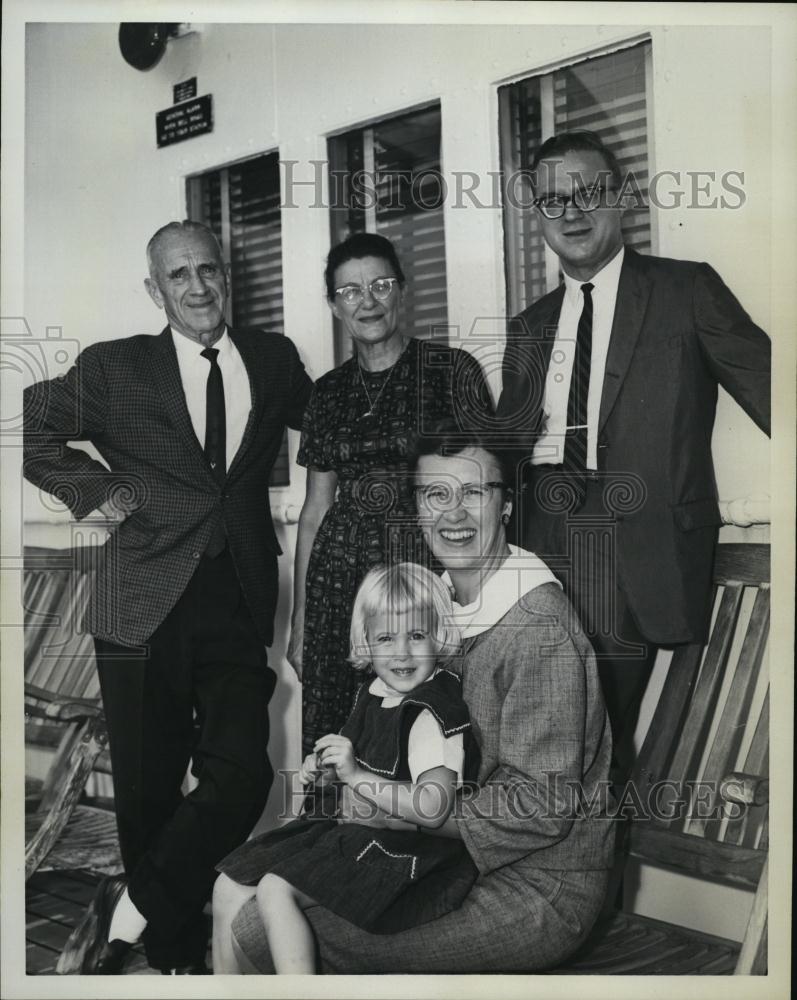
x=379 y=288
x=585 y=200
x=442 y=496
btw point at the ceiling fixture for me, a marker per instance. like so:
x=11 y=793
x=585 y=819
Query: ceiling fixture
x=142 y=44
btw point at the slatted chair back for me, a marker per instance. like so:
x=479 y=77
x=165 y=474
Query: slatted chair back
x=698 y=797
x=704 y=762
x=63 y=714
x=702 y=772
x=58 y=657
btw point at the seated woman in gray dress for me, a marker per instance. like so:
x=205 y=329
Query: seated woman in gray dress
x=530 y=682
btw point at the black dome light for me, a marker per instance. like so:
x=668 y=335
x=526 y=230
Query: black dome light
x=142 y=44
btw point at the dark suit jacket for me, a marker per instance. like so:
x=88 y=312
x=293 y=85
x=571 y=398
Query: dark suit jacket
x=678 y=331
x=126 y=397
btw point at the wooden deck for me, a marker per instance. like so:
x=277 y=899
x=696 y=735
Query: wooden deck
x=54 y=903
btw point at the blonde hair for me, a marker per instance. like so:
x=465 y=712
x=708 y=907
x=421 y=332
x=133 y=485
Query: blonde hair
x=396 y=589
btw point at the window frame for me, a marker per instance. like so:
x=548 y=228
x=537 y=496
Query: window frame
x=338 y=215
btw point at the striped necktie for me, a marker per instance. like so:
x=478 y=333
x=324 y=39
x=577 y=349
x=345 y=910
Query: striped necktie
x=216 y=439
x=574 y=461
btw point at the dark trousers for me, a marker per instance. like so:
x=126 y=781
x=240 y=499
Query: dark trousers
x=580 y=549
x=199 y=691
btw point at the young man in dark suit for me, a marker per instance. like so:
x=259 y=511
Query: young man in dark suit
x=189 y=424
x=608 y=402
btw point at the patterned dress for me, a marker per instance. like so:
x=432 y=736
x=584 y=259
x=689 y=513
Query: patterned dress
x=372 y=518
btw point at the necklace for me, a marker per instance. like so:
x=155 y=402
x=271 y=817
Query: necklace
x=372 y=402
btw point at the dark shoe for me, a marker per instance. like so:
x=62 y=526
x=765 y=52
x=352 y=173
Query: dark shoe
x=188 y=970
x=88 y=951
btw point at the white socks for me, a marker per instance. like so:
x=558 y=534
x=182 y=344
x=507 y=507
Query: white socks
x=127 y=924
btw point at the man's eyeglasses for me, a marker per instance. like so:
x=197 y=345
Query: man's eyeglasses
x=441 y=496
x=379 y=288
x=585 y=200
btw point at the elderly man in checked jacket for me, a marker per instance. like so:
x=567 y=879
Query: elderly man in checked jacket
x=189 y=424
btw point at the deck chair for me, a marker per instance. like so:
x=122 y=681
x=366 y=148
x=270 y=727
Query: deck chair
x=63 y=717
x=706 y=739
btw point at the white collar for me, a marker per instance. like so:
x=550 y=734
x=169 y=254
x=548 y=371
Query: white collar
x=606 y=280
x=390 y=697
x=190 y=350
x=520 y=573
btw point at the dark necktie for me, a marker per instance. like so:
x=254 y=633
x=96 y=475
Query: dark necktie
x=575 y=453
x=216 y=439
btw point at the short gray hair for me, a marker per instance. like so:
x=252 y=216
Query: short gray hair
x=187 y=225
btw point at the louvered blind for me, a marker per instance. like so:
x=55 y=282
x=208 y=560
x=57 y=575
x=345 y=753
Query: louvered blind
x=404 y=203
x=607 y=95
x=241 y=204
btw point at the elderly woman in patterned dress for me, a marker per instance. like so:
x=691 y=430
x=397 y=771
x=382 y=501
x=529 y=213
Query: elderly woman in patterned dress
x=359 y=509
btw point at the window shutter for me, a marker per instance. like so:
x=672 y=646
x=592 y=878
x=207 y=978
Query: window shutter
x=402 y=155
x=255 y=243
x=607 y=96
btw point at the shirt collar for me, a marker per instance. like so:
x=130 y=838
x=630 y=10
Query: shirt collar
x=190 y=350
x=520 y=573
x=390 y=697
x=606 y=280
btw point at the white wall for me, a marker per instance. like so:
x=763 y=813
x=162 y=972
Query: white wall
x=96 y=187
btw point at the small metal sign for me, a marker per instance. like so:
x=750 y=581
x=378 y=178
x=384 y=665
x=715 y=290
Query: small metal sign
x=184 y=121
x=184 y=91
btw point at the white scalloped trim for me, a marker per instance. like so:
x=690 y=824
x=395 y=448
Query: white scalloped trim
x=375 y=843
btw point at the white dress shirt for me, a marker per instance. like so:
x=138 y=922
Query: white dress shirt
x=194 y=371
x=550 y=445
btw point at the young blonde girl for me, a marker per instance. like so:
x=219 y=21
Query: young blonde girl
x=389 y=776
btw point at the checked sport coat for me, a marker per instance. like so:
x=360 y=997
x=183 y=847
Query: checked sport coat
x=126 y=397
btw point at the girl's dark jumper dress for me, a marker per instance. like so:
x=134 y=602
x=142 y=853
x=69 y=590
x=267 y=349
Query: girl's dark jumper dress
x=381 y=880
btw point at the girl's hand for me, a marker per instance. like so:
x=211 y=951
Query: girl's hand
x=337 y=751
x=309 y=771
